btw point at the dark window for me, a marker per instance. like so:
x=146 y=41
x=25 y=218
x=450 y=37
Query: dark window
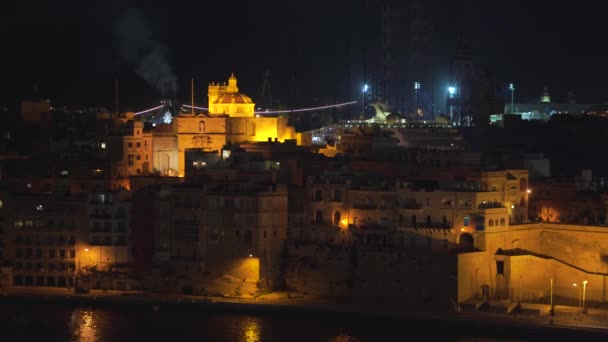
x=500 y=267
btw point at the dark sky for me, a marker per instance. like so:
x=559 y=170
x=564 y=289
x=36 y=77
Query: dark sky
x=73 y=50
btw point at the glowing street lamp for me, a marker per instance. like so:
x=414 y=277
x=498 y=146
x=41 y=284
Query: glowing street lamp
x=512 y=89
x=451 y=91
x=363 y=92
x=416 y=89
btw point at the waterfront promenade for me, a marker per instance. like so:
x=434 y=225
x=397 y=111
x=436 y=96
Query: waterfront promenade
x=531 y=317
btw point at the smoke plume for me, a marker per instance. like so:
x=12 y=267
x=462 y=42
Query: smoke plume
x=149 y=56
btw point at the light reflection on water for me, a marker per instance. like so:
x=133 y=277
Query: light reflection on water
x=64 y=322
x=251 y=330
x=83 y=326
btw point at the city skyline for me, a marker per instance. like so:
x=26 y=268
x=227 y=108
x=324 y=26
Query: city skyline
x=73 y=53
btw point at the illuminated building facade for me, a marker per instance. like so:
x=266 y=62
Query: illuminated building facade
x=231 y=120
x=107 y=241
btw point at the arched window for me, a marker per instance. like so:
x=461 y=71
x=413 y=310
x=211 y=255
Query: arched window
x=491 y=223
x=318 y=217
x=502 y=221
x=318 y=195
x=337 y=218
x=201 y=126
x=337 y=196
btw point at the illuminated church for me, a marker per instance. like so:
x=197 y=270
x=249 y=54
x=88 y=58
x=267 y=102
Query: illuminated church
x=231 y=120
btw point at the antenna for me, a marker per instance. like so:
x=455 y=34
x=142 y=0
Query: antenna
x=266 y=88
x=192 y=89
x=116 y=95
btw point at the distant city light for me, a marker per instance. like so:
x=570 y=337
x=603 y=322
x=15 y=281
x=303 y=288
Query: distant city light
x=511 y=86
x=451 y=90
x=167 y=117
x=365 y=88
x=416 y=85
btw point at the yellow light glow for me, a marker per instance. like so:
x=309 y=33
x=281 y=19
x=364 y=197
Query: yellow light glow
x=462 y=229
x=86 y=327
x=344 y=222
x=86 y=249
x=529 y=191
x=251 y=331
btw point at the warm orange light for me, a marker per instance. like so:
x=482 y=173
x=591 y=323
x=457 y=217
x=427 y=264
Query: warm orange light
x=529 y=191
x=344 y=222
x=86 y=249
x=462 y=229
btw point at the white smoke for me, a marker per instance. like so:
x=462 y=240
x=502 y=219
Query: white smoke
x=149 y=56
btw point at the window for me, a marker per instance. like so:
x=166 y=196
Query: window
x=139 y=157
x=466 y=221
x=337 y=196
x=138 y=144
x=490 y=223
x=201 y=126
x=130 y=159
x=502 y=221
x=318 y=217
x=130 y=145
x=500 y=267
x=318 y=196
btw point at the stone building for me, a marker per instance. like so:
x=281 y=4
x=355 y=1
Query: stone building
x=42 y=233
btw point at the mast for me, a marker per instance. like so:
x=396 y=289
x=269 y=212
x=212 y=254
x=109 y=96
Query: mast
x=192 y=95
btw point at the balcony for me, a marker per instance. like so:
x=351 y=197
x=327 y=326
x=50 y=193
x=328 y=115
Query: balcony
x=490 y=205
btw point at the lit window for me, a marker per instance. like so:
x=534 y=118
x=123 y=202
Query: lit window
x=466 y=221
x=64 y=172
x=102 y=145
x=39 y=207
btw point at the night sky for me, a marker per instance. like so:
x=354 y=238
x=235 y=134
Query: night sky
x=73 y=50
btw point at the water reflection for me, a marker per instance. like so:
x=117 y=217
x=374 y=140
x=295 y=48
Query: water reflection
x=250 y=331
x=343 y=337
x=84 y=326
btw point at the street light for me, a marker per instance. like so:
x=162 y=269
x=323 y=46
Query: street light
x=584 y=290
x=512 y=89
x=364 y=91
x=451 y=91
x=416 y=89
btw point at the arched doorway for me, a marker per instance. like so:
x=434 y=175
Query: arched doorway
x=336 y=218
x=466 y=241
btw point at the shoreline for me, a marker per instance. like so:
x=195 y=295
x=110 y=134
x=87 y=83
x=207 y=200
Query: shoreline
x=484 y=321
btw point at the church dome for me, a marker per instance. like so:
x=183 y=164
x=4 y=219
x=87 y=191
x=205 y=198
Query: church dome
x=234 y=98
